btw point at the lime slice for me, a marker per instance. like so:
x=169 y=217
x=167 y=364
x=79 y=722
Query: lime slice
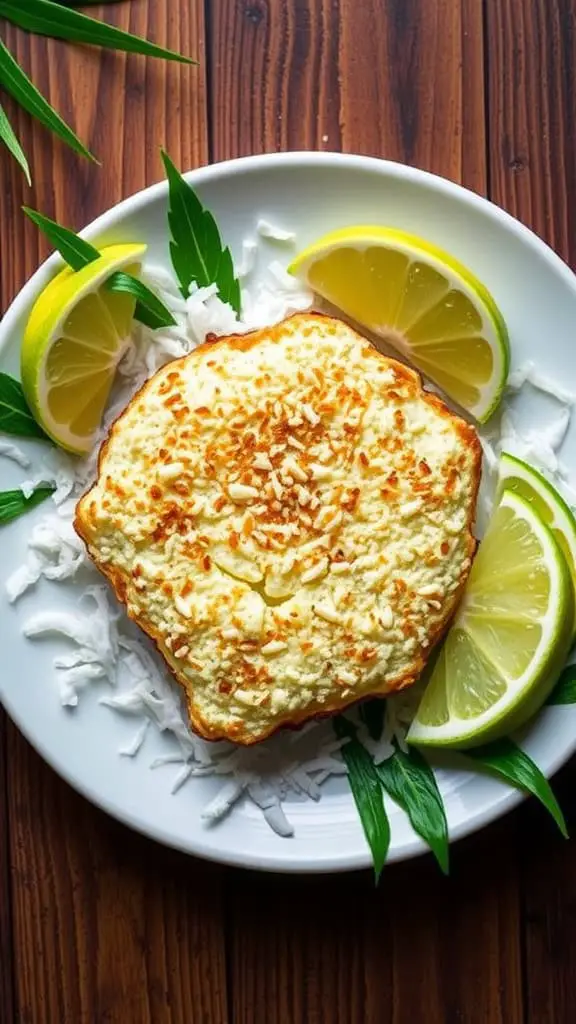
x=522 y=479
x=74 y=339
x=420 y=300
x=510 y=638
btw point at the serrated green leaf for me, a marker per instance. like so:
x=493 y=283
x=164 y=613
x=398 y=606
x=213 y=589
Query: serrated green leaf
x=74 y=250
x=149 y=308
x=51 y=19
x=17 y=83
x=372 y=713
x=367 y=793
x=196 y=248
x=565 y=690
x=11 y=142
x=15 y=415
x=411 y=783
x=13 y=503
x=509 y=762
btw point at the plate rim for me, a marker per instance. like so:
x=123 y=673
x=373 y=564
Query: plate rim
x=508 y=799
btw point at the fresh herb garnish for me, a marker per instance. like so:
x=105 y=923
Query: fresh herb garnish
x=9 y=139
x=58 y=20
x=565 y=690
x=149 y=309
x=196 y=247
x=15 y=415
x=78 y=253
x=367 y=793
x=47 y=18
x=17 y=83
x=411 y=783
x=509 y=762
x=14 y=503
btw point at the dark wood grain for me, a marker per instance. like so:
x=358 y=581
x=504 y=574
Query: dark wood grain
x=103 y=926
x=420 y=948
x=393 y=78
x=532 y=103
x=400 y=79
x=7 y=1005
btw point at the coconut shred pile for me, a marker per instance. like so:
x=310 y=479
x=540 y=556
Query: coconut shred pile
x=102 y=646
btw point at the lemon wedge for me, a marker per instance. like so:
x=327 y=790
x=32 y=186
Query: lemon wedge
x=510 y=637
x=516 y=475
x=421 y=301
x=74 y=339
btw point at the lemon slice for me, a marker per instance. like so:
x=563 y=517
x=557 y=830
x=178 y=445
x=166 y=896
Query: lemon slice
x=510 y=638
x=74 y=339
x=517 y=476
x=421 y=301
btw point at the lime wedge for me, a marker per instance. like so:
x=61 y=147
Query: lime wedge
x=517 y=476
x=74 y=339
x=420 y=300
x=510 y=638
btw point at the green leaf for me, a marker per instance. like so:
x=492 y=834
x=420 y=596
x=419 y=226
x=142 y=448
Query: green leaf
x=411 y=783
x=15 y=415
x=51 y=19
x=78 y=253
x=196 y=248
x=367 y=793
x=17 y=83
x=372 y=713
x=14 y=504
x=509 y=762
x=74 y=250
x=565 y=690
x=11 y=142
x=149 y=309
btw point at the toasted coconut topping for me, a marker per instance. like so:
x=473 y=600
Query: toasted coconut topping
x=288 y=514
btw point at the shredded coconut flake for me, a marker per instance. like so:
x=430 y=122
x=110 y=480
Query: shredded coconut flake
x=266 y=229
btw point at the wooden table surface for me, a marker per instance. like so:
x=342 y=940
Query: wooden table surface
x=98 y=924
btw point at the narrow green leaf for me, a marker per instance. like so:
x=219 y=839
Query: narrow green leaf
x=411 y=783
x=9 y=139
x=565 y=690
x=51 y=19
x=509 y=762
x=149 y=308
x=14 y=504
x=367 y=793
x=15 y=415
x=78 y=254
x=196 y=248
x=372 y=713
x=74 y=250
x=17 y=83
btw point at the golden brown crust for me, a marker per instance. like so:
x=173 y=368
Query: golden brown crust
x=413 y=382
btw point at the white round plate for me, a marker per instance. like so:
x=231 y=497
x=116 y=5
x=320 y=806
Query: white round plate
x=309 y=193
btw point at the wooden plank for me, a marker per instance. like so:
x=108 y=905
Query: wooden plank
x=106 y=925
x=531 y=46
x=337 y=951
x=7 y=1005
x=532 y=81
x=384 y=77
x=401 y=79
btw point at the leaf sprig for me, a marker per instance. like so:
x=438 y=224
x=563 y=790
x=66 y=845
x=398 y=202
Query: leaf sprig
x=408 y=778
x=196 y=248
x=58 y=19
x=14 y=503
x=78 y=253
